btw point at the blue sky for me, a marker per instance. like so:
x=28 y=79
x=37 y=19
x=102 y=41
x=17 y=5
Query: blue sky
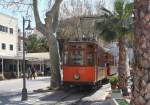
x=21 y=12
x=42 y=8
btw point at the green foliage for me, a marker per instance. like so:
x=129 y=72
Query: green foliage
x=113 y=79
x=118 y=23
x=128 y=10
x=122 y=102
x=119 y=4
x=36 y=44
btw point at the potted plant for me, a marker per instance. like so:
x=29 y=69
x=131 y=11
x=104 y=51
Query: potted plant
x=113 y=81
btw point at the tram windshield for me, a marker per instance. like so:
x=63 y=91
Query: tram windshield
x=74 y=58
x=78 y=57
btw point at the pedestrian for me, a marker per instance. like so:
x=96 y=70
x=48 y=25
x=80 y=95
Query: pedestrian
x=107 y=65
x=33 y=72
x=108 y=68
x=29 y=72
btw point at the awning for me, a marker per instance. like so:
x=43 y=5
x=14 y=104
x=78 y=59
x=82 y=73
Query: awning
x=30 y=56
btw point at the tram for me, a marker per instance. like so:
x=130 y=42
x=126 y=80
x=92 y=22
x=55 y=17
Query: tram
x=84 y=64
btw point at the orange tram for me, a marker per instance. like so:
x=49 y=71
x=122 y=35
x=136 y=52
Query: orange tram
x=84 y=64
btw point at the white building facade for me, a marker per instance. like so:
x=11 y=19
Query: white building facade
x=8 y=35
x=8 y=44
x=11 y=50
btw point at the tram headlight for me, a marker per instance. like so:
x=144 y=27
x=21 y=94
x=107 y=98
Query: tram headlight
x=77 y=76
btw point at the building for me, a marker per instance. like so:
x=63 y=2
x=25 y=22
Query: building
x=11 y=50
x=8 y=44
x=9 y=35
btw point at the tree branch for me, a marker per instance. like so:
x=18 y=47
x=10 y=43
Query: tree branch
x=53 y=12
x=39 y=25
x=55 y=21
x=51 y=20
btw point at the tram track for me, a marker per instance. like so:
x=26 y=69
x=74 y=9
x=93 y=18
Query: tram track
x=79 y=95
x=77 y=102
x=63 y=98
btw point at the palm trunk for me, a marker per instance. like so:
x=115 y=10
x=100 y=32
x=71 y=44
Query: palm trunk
x=122 y=72
x=141 y=80
x=54 y=61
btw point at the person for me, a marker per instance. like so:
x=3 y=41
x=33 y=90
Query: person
x=32 y=72
x=107 y=65
x=29 y=72
x=108 y=68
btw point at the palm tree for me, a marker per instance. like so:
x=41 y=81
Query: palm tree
x=141 y=80
x=116 y=25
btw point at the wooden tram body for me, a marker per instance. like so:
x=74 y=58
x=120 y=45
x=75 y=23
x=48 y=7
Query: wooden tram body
x=83 y=63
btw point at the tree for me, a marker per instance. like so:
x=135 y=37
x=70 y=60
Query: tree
x=35 y=44
x=115 y=25
x=49 y=30
x=141 y=70
x=49 y=27
x=74 y=22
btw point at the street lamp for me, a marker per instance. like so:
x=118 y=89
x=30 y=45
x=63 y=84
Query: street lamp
x=24 y=90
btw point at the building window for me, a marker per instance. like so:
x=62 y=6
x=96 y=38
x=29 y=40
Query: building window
x=11 y=47
x=11 y=30
x=0 y=27
x=19 y=47
x=3 y=28
x=6 y=29
x=3 y=46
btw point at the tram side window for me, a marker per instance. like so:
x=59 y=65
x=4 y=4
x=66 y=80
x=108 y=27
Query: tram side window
x=90 y=58
x=76 y=58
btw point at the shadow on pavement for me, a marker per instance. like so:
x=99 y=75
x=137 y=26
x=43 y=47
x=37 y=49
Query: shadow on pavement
x=72 y=95
x=12 y=98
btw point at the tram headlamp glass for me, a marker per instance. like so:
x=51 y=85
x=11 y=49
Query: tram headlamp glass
x=76 y=76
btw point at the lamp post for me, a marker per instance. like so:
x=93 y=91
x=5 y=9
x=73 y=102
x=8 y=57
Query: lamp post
x=24 y=89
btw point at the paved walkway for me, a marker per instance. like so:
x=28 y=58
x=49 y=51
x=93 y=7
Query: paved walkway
x=10 y=94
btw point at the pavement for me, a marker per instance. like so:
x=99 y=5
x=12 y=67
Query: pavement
x=10 y=94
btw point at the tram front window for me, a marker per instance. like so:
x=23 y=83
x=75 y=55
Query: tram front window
x=73 y=58
x=76 y=58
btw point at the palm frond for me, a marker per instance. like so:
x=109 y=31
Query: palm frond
x=118 y=6
x=105 y=10
x=116 y=24
x=128 y=10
